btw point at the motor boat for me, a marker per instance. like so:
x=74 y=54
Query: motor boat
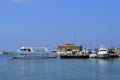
x=32 y=52
x=103 y=52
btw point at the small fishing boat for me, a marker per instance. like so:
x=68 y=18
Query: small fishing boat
x=93 y=55
x=1 y=52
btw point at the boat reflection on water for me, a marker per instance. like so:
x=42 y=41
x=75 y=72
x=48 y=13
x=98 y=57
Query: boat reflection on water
x=30 y=68
x=102 y=61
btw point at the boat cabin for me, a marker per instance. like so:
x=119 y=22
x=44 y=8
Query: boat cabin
x=33 y=49
x=26 y=49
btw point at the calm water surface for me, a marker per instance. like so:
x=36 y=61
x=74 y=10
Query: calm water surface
x=59 y=69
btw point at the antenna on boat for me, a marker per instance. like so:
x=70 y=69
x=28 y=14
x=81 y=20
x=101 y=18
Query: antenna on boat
x=63 y=42
x=85 y=48
x=90 y=45
x=74 y=38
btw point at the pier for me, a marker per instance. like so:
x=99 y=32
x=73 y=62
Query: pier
x=85 y=56
x=74 y=56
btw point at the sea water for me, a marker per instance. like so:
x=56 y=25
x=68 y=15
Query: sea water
x=59 y=69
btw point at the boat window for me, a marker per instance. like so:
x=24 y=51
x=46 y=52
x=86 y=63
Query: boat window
x=39 y=49
x=23 y=49
x=103 y=50
x=29 y=50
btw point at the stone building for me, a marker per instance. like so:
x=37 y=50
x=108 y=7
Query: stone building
x=69 y=47
x=118 y=50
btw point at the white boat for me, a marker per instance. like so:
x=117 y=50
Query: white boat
x=1 y=52
x=93 y=55
x=103 y=52
x=32 y=52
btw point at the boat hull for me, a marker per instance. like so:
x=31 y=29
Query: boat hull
x=103 y=55
x=31 y=55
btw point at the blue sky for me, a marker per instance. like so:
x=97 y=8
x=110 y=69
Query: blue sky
x=54 y=22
